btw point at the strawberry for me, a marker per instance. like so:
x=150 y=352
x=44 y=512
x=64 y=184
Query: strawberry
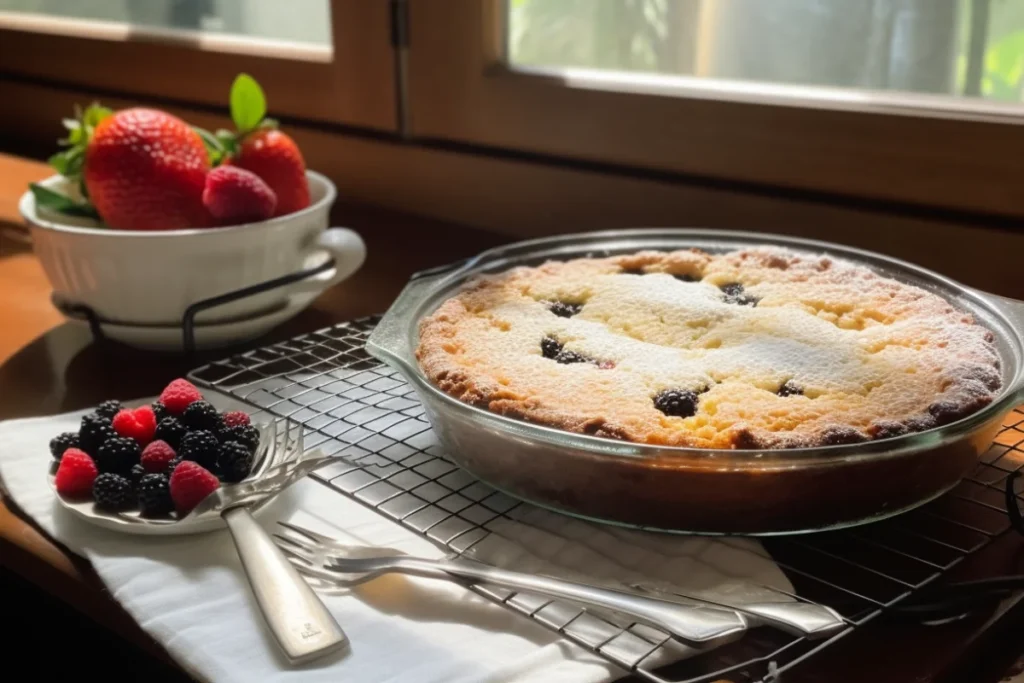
x=190 y=483
x=275 y=158
x=258 y=146
x=234 y=195
x=178 y=395
x=139 y=424
x=75 y=474
x=145 y=170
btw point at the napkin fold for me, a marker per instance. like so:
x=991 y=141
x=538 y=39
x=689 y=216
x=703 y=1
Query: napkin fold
x=191 y=595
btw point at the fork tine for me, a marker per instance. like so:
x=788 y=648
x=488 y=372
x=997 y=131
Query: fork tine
x=294 y=547
x=320 y=574
x=308 y=533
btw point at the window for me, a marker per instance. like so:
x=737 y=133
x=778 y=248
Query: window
x=909 y=101
x=942 y=47
x=305 y=22
x=329 y=60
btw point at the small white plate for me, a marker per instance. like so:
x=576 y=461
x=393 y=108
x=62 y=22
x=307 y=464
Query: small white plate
x=280 y=432
x=208 y=335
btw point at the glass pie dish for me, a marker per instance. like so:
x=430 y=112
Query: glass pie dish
x=756 y=491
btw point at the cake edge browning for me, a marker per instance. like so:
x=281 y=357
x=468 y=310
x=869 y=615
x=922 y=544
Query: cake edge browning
x=971 y=389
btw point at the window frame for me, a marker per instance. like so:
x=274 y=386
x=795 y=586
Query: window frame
x=967 y=156
x=350 y=84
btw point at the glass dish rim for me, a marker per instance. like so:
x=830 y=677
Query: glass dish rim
x=444 y=279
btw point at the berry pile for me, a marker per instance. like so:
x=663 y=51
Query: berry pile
x=160 y=459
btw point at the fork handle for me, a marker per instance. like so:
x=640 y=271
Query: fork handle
x=298 y=619
x=693 y=625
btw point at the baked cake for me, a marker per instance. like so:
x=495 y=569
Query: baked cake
x=757 y=348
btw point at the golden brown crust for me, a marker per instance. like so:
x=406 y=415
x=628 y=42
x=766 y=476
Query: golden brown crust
x=779 y=349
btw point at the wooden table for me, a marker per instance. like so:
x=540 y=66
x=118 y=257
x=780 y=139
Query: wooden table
x=50 y=366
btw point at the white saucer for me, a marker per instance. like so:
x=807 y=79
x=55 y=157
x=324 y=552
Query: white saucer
x=208 y=335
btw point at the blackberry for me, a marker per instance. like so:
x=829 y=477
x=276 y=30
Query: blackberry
x=95 y=431
x=200 y=446
x=566 y=357
x=109 y=409
x=171 y=465
x=113 y=492
x=790 y=389
x=247 y=435
x=160 y=410
x=838 y=435
x=118 y=455
x=201 y=415
x=550 y=347
x=234 y=461
x=136 y=474
x=171 y=431
x=155 y=495
x=563 y=309
x=677 y=402
x=61 y=443
x=735 y=294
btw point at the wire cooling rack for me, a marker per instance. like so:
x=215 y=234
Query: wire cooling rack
x=363 y=412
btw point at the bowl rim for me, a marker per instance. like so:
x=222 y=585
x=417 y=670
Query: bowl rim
x=27 y=202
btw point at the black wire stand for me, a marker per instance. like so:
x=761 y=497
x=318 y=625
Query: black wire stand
x=389 y=460
x=188 y=319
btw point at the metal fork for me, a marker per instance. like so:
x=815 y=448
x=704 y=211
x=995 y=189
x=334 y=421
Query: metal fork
x=302 y=626
x=327 y=559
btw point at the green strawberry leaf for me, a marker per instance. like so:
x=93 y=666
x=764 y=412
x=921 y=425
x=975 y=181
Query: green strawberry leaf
x=228 y=140
x=248 y=105
x=214 y=147
x=95 y=113
x=68 y=162
x=61 y=203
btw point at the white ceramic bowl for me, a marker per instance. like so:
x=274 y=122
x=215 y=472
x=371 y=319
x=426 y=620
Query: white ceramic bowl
x=151 y=278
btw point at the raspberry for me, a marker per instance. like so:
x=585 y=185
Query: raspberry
x=190 y=483
x=202 y=415
x=155 y=495
x=108 y=409
x=170 y=430
x=200 y=446
x=156 y=455
x=139 y=424
x=61 y=443
x=76 y=473
x=178 y=395
x=247 y=435
x=94 y=433
x=234 y=461
x=118 y=455
x=234 y=195
x=113 y=492
x=233 y=418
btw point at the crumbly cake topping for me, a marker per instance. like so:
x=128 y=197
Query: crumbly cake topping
x=758 y=348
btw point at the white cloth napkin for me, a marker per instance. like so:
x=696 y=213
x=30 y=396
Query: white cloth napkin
x=190 y=593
